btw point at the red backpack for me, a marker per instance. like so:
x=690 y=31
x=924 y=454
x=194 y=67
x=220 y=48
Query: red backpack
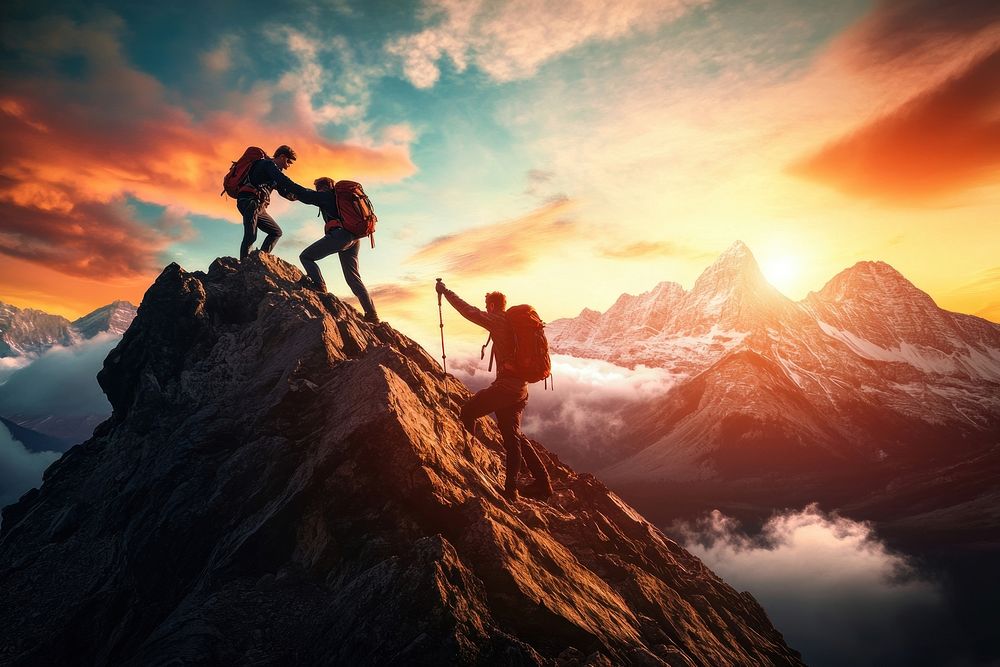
x=531 y=348
x=357 y=215
x=236 y=179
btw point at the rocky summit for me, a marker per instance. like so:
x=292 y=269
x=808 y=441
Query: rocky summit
x=283 y=483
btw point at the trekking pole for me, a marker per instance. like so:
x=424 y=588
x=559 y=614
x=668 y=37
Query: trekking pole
x=444 y=358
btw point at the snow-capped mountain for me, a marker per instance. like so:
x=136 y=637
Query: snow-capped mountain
x=29 y=331
x=113 y=318
x=867 y=369
x=25 y=332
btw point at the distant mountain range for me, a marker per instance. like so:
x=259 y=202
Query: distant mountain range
x=26 y=334
x=867 y=370
x=29 y=332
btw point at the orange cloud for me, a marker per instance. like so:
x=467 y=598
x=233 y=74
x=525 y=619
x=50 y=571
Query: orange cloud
x=945 y=140
x=76 y=148
x=395 y=300
x=53 y=292
x=906 y=30
x=654 y=249
x=504 y=246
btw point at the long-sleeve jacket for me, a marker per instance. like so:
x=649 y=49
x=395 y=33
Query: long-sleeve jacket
x=265 y=176
x=326 y=200
x=496 y=324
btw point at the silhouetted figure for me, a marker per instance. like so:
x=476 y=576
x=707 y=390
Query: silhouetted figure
x=507 y=396
x=335 y=240
x=265 y=176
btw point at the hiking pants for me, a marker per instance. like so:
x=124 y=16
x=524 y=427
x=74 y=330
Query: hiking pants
x=338 y=240
x=506 y=397
x=254 y=216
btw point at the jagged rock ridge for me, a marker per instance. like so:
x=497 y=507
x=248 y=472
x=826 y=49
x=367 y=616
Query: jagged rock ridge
x=283 y=483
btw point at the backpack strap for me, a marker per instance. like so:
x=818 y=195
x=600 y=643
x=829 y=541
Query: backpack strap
x=482 y=351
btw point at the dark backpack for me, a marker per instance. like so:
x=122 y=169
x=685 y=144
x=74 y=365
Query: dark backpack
x=238 y=176
x=531 y=347
x=357 y=215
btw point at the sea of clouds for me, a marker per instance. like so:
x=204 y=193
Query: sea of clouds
x=836 y=592
x=581 y=416
x=61 y=382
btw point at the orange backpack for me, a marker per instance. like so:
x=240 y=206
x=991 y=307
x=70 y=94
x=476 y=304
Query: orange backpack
x=357 y=215
x=531 y=348
x=239 y=173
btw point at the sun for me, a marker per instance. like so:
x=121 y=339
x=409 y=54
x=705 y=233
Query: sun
x=782 y=271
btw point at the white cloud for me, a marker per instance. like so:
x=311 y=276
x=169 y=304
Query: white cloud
x=62 y=381
x=10 y=364
x=20 y=469
x=837 y=593
x=220 y=59
x=327 y=84
x=511 y=40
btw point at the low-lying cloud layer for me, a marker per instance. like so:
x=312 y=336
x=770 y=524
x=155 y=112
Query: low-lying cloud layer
x=582 y=416
x=20 y=469
x=836 y=592
x=60 y=382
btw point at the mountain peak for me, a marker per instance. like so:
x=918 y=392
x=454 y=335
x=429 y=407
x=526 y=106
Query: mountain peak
x=281 y=482
x=737 y=249
x=113 y=318
x=737 y=260
x=733 y=293
x=871 y=280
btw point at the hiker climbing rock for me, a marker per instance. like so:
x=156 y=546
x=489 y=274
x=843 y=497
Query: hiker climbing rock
x=341 y=236
x=508 y=395
x=250 y=181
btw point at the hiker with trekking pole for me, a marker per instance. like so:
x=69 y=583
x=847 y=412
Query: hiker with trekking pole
x=522 y=356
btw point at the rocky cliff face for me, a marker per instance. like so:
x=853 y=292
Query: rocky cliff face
x=282 y=483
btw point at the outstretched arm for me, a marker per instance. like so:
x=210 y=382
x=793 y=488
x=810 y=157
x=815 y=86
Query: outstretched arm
x=326 y=200
x=466 y=310
x=285 y=186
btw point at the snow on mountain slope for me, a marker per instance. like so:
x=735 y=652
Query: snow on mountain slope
x=869 y=368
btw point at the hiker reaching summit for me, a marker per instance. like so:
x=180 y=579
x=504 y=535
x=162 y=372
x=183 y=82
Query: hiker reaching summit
x=522 y=356
x=251 y=180
x=342 y=236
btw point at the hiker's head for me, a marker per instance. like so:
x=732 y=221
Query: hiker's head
x=324 y=183
x=496 y=302
x=284 y=156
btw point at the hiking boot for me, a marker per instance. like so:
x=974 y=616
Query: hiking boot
x=371 y=318
x=541 y=489
x=308 y=283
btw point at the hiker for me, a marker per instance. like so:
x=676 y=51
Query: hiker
x=336 y=240
x=254 y=195
x=507 y=396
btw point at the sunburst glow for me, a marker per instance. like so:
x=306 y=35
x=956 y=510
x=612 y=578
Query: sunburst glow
x=783 y=272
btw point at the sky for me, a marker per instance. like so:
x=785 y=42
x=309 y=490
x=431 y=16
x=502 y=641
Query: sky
x=562 y=152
